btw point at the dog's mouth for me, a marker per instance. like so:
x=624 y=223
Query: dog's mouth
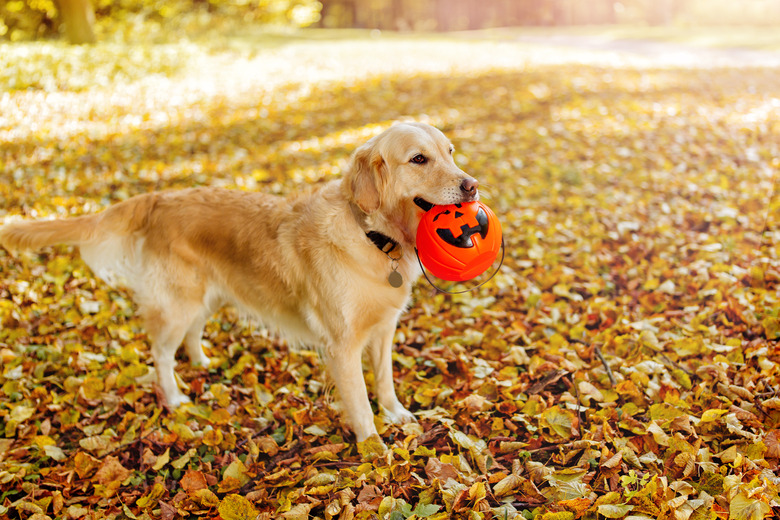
x=423 y=204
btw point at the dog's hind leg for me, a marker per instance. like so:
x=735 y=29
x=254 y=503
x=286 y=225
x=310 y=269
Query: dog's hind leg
x=166 y=329
x=193 y=339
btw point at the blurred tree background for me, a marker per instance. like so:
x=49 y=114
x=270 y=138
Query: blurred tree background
x=76 y=19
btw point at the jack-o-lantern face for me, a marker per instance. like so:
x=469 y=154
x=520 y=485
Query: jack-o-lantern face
x=462 y=226
x=459 y=241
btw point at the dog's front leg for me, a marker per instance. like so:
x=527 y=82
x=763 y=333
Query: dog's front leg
x=345 y=367
x=381 y=350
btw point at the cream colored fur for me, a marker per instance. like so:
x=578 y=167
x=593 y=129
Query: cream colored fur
x=302 y=265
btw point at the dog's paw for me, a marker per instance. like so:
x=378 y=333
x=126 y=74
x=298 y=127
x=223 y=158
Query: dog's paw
x=201 y=361
x=178 y=400
x=398 y=415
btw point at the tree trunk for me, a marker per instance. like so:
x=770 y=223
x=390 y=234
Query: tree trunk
x=78 y=18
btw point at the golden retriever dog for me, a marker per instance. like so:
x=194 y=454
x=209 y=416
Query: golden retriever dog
x=331 y=269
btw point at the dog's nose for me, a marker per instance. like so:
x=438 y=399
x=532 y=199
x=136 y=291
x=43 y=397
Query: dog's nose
x=469 y=186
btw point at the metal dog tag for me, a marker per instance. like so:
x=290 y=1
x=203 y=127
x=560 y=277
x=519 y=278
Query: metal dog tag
x=395 y=279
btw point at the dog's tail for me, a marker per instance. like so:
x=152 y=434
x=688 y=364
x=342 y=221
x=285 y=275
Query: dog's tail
x=36 y=234
x=122 y=219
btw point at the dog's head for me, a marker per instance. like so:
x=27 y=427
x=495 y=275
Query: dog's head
x=404 y=171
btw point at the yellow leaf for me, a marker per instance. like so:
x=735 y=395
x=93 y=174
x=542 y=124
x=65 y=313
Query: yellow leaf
x=95 y=443
x=297 y=512
x=205 y=497
x=184 y=432
x=712 y=415
x=92 y=388
x=54 y=452
x=235 y=476
x=152 y=498
x=729 y=455
x=558 y=515
x=743 y=507
x=371 y=448
x=21 y=413
x=212 y=437
x=477 y=491
x=567 y=484
x=184 y=459
x=162 y=460
x=506 y=485
x=614 y=510
x=651 y=284
x=772 y=404
x=44 y=440
x=659 y=435
x=559 y=421
x=236 y=507
x=771 y=326
x=588 y=391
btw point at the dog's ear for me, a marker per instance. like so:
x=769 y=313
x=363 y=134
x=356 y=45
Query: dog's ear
x=366 y=178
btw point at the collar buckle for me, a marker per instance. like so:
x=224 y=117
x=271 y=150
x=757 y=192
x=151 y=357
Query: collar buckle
x=383 y=242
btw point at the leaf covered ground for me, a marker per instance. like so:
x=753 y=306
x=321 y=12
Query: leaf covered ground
x=623 y=364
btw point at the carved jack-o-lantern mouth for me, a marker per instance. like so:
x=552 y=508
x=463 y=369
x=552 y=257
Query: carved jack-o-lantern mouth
x=459 y=241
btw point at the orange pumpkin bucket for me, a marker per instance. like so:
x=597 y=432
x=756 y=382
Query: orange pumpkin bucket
x=458 y=242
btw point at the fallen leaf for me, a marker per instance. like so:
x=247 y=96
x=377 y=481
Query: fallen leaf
x=236 y=507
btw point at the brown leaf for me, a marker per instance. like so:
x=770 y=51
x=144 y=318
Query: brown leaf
x=530 y=493
x=148 y=457
x=167 y=511
x=772 y=442
x=439 y=470
x=461 y=502
x=297 y=512
x=742 y=392
x=85 y=464
x=370 y=497
x=193 y=481
x=112 y=472
x=613 y=461
x=549 y=379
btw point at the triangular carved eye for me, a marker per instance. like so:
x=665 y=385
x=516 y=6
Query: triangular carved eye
x=464 y=229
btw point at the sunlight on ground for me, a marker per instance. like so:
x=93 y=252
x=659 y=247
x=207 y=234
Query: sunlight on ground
x=142 y=87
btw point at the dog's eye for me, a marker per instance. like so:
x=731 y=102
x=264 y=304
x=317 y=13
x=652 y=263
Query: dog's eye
x=419 y=159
